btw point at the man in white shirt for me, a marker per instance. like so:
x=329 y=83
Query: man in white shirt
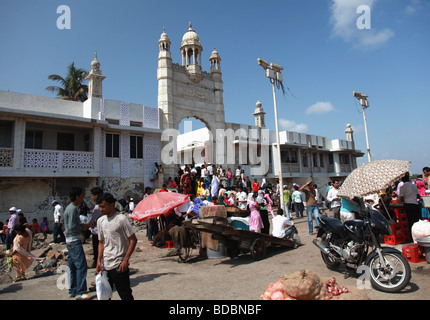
x=279 y=223
x=241 y=198
x=117 y=241
x=58 y=222
x=237 y=174
x=210 y=170
x=203 y=172
x=334 y=199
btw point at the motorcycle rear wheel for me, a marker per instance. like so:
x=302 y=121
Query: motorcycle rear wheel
x=331 y=263
x=394 y=277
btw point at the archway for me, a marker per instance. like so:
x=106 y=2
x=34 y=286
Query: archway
x=194 y=143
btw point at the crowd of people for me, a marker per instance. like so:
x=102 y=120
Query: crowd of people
x=113 y=236
x=113 y=240
x=220 y=186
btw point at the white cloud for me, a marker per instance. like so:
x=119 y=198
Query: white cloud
x=289 y=125
x=320 y=108
x=344 y=22
x=413 y=6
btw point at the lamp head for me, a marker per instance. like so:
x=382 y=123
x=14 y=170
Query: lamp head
x=264 y=64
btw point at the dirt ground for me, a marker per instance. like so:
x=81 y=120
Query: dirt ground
x=155 y=276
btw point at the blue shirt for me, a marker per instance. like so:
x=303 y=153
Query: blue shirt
x=348 y=206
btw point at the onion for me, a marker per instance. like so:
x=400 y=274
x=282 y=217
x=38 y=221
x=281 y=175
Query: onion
x=278 y=286
x=278 y=295
x=345 y=290
x=267 y=295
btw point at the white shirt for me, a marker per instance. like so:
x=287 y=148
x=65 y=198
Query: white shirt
x=278 y=226
x=242 y=196
x=409 y=192
x=210 y=170
x=115 y=232
x=237 y=172
x=332 y=194
x=58 y=213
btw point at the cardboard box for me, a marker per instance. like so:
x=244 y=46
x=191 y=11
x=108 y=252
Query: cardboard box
x=212 y=211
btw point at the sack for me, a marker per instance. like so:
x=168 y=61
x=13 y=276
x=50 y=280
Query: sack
x=420 y=229
x=103 y=288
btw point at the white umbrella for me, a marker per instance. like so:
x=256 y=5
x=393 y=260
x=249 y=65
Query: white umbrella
x=372 y=177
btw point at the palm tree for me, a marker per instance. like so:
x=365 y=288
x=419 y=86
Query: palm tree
x=71 y=87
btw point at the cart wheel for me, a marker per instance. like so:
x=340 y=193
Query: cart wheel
x=258 y=249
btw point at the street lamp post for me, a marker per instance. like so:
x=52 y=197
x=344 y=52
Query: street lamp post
x=273 y=72
x=364 y=104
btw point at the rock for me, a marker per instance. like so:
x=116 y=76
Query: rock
x=49 y=263
x=54 y=254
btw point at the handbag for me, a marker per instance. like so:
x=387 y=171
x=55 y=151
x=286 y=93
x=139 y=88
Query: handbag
x=103 y=288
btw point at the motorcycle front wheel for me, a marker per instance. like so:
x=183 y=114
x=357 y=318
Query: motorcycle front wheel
x=394 y=277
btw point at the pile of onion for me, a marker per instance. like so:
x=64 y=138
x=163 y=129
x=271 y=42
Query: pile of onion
x=304 y=285
x=333 y=289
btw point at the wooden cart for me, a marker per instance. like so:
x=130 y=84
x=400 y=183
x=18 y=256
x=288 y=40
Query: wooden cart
x=235 y=239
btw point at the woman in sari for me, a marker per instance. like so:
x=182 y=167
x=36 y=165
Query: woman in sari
x=255 y=221
x=21 y=253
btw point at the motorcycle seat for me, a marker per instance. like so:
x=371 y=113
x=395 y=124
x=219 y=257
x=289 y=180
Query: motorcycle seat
x=333 y=225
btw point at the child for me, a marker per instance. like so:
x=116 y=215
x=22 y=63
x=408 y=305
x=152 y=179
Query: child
x=44 y=226
x=35 y=226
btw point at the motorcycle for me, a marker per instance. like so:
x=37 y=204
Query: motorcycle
x=349 y=243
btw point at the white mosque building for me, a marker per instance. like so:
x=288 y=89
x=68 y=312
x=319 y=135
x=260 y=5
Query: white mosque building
x=48 y=145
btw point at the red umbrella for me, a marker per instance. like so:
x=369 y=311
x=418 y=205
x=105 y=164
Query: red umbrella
x=157 y=204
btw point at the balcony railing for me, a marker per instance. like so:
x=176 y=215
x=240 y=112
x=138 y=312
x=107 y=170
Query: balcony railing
x=58 y=159
x=6 y=157
x=290 y=167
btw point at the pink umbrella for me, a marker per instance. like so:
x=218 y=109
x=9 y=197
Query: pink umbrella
x=157 y=204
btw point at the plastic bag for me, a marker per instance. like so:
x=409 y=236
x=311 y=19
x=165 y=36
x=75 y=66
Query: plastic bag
x=103 y=288
x=420 y=229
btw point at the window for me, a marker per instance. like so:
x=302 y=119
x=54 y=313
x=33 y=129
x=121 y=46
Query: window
x=65 y=141
x=315 y=159
x=112 y=145
x=33 y=139
x=6 y=133
x=136 y=147
x=305 y=160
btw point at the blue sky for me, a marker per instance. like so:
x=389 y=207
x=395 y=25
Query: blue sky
x=325 y=56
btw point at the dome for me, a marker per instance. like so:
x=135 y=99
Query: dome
x=164 y=37
x=190 y=37
x=258 y=107
x=95 y=64
x=215 y=55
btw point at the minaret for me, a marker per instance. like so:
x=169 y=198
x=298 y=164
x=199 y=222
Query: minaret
x=259 y=115
x=350 y=135
x=215 y=61
x=165 y=77
x=95 y=79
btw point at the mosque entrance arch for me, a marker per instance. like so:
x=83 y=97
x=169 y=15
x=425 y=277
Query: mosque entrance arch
x=185 y=90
